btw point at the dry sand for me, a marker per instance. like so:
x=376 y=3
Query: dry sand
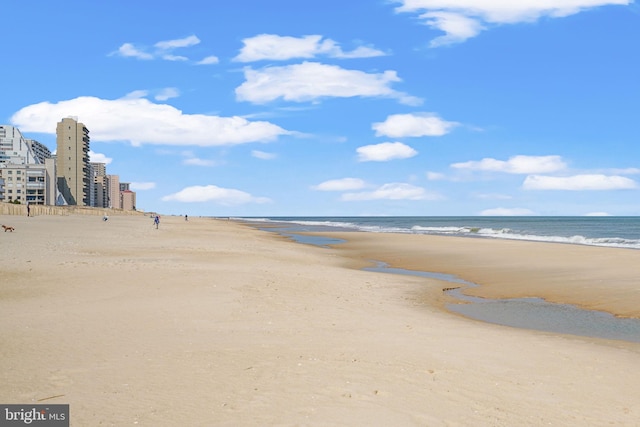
x=213 y=323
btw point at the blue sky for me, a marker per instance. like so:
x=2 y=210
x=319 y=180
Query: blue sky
x=359 y=107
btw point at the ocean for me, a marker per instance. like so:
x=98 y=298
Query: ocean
x=528 y=313
x=621 y=232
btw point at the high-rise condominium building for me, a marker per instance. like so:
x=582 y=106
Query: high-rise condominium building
x=26 y=169
x=113 y=191
x=40 y=151
x=17 y=150
x=72 y=162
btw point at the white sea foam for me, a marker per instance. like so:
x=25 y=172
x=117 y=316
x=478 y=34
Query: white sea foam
x=408 y=226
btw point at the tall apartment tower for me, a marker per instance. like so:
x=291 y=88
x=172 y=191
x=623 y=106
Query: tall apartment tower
x=100 y=191
x=72 y=162
x=113 y=191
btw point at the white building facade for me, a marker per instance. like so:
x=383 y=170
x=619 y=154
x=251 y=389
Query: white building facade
x=26 y=169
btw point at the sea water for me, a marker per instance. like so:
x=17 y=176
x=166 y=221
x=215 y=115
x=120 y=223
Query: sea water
x=622 y=232
x=528 y=313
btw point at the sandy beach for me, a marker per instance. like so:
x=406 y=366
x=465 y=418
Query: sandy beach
x=596 y=278
x=214 y=323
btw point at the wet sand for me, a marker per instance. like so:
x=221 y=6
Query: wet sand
x=597 y=278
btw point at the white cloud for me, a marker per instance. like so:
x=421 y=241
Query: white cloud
x=195 y=161
x=169 y=57
x=492 y=196
x=191 y=159
x=463 y=19
x=507 y=212
x=344 y=184
x=360 y=52
x=167 y=93
x=262 y=155
x=99 y=158
x=392 y=191
x=178 y=43
x=413 y=125
x=457 y=27
x=162 y=49
x=626 y=171
x=142 y=122
x=142 y=186
x=384 y=152
x=213 y=193
x=135 y=94
x=130 y=51
x=275 y=47
x=435 y=176
x=579 y=182
x=310 y=81
x=208 y=60
x=516 y=164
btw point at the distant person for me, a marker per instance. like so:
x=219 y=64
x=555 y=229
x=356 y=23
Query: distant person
x=186 y=218
x=28 y=209
x=156 y=221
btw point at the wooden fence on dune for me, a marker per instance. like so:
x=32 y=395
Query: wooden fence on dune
x=37 y=210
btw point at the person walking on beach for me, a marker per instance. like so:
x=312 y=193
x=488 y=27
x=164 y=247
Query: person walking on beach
x=28 y=209
x=156 y=221
x=186 y=218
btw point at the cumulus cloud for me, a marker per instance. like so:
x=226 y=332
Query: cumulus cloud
x=579 y=182
x=162 y=49
x=460 y=20
x=213 y=193
x=99 y=158
x=515 y=165
x=178 y=43
x=413 y=125
x=384 y=152
x=141 y=121
x=128 y=50
x=343 y=184
x=392 y=191
x=167 y=93
x=457 y=27
x=626 y=171
x=310 y=81
x=142 y=186
x=280 y=48
x=208 y=60
x=507 y=212
x=170 y=57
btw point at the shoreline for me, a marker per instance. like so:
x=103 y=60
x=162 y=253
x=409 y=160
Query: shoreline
x=559 y=273
x=209 y=322
x=529 y=313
